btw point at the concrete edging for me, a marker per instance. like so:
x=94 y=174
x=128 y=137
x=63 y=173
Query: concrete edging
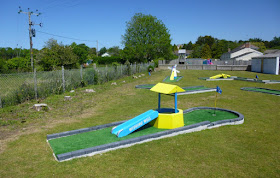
x=142 y=139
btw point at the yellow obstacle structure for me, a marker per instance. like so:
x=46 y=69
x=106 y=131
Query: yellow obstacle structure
x=168 y=118
x=220 y=76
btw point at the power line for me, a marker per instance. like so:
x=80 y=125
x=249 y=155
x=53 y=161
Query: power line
x=66 y=37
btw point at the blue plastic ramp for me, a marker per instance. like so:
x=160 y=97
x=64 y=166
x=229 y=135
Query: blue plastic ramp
x=135 y=123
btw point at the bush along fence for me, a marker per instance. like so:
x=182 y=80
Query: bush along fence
x=20 y=87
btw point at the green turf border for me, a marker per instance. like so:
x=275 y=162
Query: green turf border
x=168 y=80
x=249 y=89
x=129 y=142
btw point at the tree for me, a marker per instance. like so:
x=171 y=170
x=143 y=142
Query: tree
x=102 y=51
x=146 y=38
x=81 y=51
x=189 y=46
x=206 y=52
x=275 y=43
x=54 y=54
x=255 y=40
x=261 y=46
x=201 y=40
x=196 y=51
x=114 y=51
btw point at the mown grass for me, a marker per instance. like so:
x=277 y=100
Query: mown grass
x=247 y=150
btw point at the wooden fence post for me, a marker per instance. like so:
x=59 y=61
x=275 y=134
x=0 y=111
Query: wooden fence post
x=63 y=79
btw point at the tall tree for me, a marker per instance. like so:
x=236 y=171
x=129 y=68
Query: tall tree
x=147 y=38
x=201 y=40
x=102 y=51
x=206 y=52
x=54 y=54
x=114 y=51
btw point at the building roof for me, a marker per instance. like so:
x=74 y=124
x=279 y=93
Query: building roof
x=166 y=88
x=272 y=55
x=245 y=45
x=271 y=51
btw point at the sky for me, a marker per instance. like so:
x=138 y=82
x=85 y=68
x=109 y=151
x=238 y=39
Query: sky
x=88 y=21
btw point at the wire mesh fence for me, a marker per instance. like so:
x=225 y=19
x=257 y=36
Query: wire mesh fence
x=20 y=87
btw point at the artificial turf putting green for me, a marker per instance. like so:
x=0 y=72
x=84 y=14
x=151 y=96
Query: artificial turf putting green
x=104 y=136
x=262 y=90
x=167 y=79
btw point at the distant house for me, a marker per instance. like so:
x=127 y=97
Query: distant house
x=106 y=55
x=244 y=52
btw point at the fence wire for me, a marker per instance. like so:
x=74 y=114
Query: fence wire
x=19 y=87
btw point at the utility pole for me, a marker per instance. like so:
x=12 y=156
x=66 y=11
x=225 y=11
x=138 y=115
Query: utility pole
x=31 y=32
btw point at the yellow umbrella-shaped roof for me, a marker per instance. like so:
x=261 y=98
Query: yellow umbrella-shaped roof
x=166 y=88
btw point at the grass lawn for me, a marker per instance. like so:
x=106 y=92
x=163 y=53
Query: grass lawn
x=247 y=150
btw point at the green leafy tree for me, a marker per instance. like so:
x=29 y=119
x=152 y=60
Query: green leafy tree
x=18 y=64
x=261 y=46
x=54 y=55
x=201 y=40
x=81 y=51
x=206 y=52
x=114 y=51
x=189 y=46
x=146 y=38
x=102 y=51
x=275 y=43
x=196 y=51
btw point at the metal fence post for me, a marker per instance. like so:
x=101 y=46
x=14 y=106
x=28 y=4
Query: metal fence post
x=35 y=83
x=63 y=79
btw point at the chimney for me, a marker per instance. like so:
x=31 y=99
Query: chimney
x=228 y=50
x=247 y=45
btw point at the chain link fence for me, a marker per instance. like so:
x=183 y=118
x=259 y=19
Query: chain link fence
x=20 y=87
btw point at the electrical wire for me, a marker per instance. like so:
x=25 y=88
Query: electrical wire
x=65 y=37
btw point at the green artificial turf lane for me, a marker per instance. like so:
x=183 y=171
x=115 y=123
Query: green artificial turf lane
x=194 y=88
x=263 y=90
x=104 y=136
x=167 y=79
x=207 y=115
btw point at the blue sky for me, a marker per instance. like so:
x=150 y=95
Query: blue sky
x=105 y=21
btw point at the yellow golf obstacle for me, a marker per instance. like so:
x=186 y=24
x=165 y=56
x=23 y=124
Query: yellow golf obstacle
x=220 y=76
x=168 y=118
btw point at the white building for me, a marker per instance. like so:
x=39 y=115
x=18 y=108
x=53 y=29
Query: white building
x=244 y=52
x=268 y=64
x=106 y=55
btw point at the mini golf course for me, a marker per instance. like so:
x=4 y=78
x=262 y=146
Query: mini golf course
x=241 y=79
x=167 y=79
x=257 y=80
x=262 y=90
x=98 y=139
x=217 y=79
x=188 y=90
